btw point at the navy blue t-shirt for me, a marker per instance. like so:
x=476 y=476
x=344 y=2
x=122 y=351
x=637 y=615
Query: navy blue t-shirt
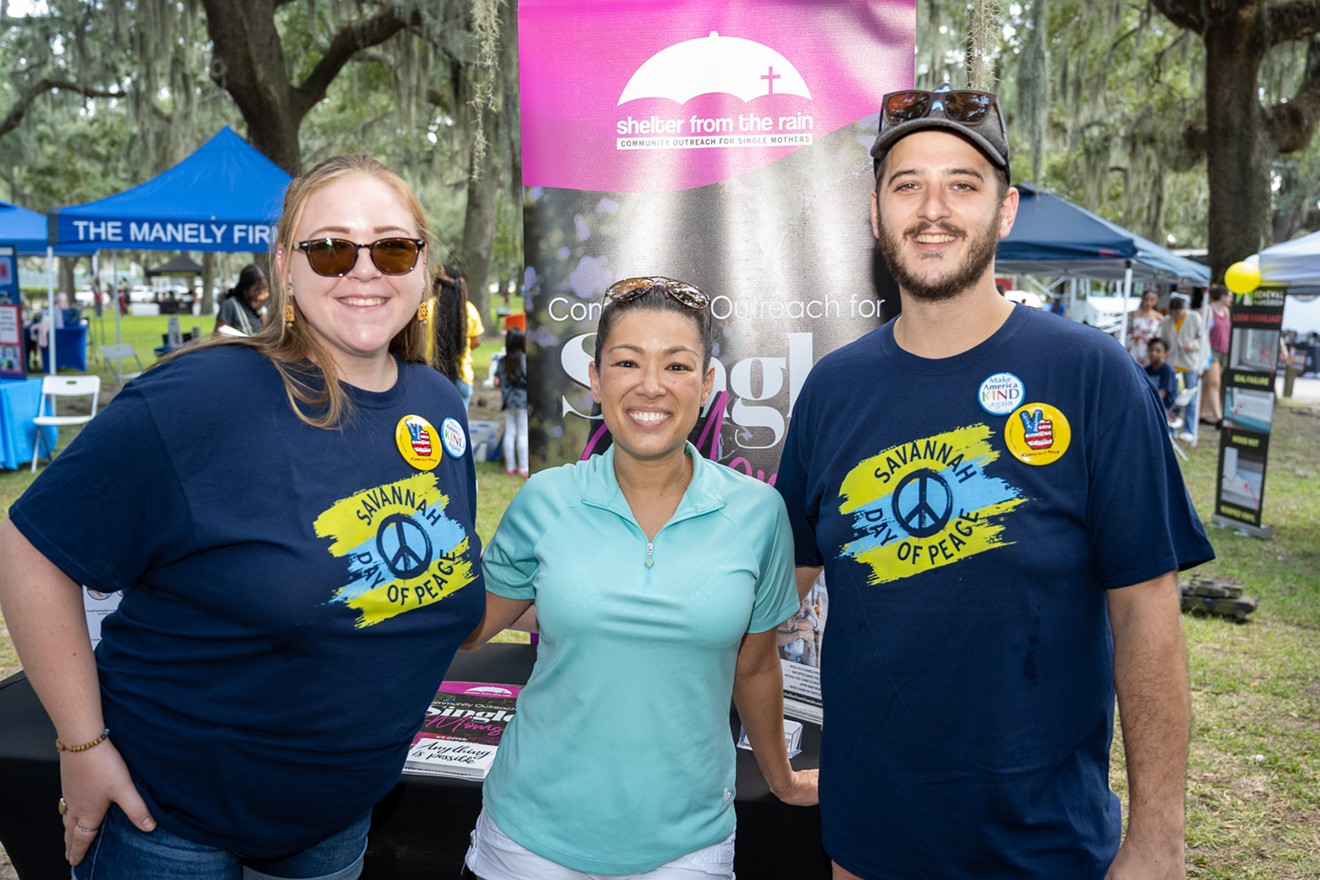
x=971 y=513
x=1164 y=379
x=292 y=595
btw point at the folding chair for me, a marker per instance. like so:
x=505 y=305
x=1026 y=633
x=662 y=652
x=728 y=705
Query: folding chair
x=53 y=388
x=115 y=355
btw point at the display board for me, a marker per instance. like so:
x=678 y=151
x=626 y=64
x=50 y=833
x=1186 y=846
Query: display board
x=13 y=365
x=722 y=143
x=1248 y=383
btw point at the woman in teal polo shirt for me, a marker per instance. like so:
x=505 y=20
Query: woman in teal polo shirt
x=659 y=579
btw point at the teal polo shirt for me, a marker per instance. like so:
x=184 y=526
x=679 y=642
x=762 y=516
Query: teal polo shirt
x=620 y=758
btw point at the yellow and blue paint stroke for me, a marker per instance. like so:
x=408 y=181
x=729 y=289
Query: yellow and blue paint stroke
x=925 y=504
x=403 y=552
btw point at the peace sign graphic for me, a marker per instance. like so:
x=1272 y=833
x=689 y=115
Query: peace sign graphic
x=923 y=503
x=403 y=545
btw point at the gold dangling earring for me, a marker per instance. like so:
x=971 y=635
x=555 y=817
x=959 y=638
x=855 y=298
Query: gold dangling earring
x=288 y=314
x=424 y=311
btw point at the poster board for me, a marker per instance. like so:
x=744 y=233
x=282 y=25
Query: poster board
x=1253 y=356
x=724 y=143
x=721 y=143
x=13 y=364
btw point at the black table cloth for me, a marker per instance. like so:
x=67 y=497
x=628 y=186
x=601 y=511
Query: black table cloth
x=420 y=830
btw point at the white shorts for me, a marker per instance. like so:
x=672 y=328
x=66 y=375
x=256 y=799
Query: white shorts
x=493 y=856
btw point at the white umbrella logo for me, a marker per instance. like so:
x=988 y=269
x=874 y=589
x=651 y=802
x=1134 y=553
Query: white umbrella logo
x=745 y=69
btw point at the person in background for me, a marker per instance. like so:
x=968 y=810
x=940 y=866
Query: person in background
x=512 y=382
x=246 y=705
x=242 y=310
x=965 y=475
x=36 y=332
x=458 y=330
x=1181 y=331
x=659 y=580
x=1220 y=332
x=1162 y=377
x=1143 y=326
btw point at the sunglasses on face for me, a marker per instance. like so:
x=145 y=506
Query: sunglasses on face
x=337 y=256
x=964 y=106
x=686 y=295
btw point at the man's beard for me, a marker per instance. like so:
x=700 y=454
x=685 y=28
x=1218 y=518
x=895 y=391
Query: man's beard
x=980 y=254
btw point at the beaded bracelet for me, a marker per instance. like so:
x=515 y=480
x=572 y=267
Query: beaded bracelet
x=61 y=747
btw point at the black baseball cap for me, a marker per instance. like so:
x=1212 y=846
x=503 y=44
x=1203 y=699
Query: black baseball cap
x=970 y=114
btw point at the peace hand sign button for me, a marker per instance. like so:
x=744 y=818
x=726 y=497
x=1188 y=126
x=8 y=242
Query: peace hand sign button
x=1037 y=434
x=418 y=442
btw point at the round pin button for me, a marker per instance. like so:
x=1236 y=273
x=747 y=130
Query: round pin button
x=455 y=438
x=1001 y=393
x=1037 y=434
x=417 y=442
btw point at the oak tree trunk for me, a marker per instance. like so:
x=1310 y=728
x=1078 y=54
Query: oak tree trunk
x=1238 y=151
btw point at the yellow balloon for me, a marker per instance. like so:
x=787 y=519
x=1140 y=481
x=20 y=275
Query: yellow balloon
x=1242 y=277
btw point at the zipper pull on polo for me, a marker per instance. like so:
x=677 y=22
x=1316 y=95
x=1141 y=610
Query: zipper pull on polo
x=650 y=553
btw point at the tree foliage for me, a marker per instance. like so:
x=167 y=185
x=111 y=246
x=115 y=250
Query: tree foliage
x=99 y=95
x=1106 y=105
x=1241 y=135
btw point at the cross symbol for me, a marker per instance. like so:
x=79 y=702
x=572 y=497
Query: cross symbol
x=770 y=77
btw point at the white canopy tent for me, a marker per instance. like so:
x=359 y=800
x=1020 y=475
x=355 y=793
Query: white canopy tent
x=1296 y=265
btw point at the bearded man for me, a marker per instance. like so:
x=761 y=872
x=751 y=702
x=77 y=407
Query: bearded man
x=993 y=495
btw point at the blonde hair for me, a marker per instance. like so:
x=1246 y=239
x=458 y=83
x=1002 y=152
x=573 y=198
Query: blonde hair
x=311 y=381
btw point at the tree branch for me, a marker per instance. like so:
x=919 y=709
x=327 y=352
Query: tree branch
x=346 y=43
x=1293 y=20
x=41 y=87
x=1186 y=14
x=1291 y=124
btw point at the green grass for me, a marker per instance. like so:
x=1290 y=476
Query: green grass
x=1253 y=801
x=1253 y=795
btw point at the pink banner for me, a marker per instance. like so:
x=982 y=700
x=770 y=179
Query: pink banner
x=723 y=142
x=628 y=96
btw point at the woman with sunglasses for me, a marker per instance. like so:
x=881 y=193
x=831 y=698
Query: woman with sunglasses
x=659 y=579
x=245 y=708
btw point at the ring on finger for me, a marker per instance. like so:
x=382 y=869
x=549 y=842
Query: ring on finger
x=64 y=808
x=81 y=827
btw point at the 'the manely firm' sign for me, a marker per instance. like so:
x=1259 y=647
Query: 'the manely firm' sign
x=186 y=235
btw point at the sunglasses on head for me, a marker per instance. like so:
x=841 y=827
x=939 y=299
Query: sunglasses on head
x=686 y=295
x=964 y=106
x=337 y=256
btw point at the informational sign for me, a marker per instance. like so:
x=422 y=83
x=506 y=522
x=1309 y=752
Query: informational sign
x=8 y=273
x=721 y=142
x=182 y=235
x=13 y=365
x=1248 y=408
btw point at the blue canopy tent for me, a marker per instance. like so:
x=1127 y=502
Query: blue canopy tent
x=26 y=230
x=1053 y=237
x=224 y=197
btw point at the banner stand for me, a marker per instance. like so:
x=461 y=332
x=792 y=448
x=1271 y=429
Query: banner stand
x=1264 y=532
x=1253 y=357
